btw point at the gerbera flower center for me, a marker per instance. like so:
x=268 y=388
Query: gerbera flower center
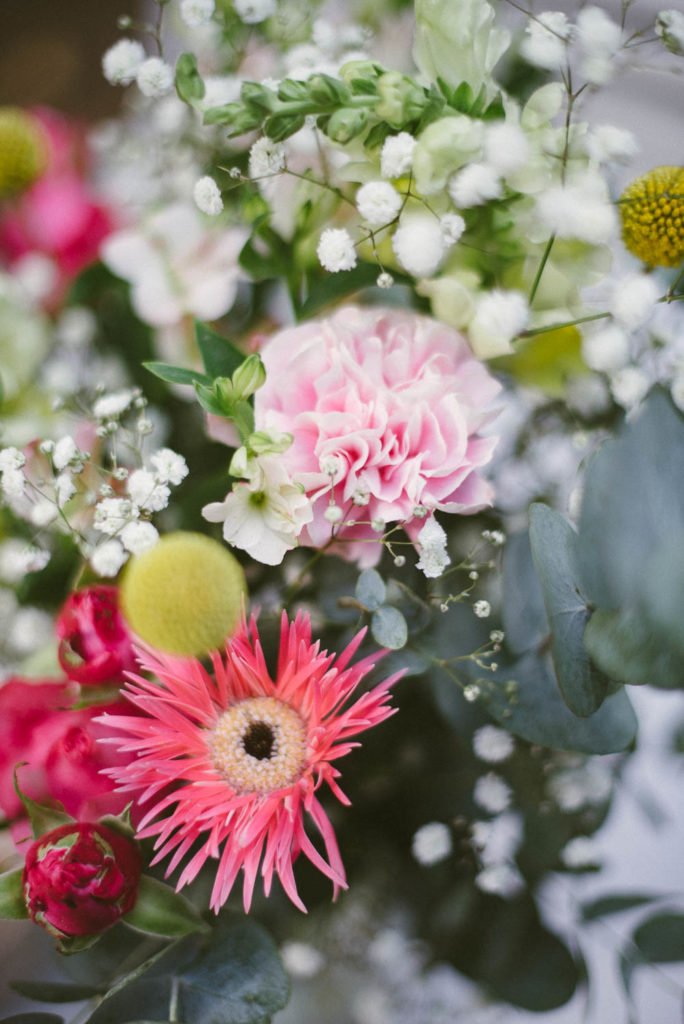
x=259 y=745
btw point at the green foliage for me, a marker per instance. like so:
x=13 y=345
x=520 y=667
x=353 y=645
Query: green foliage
x=220 y=357
x=43 y=818
x=605 y=906
x=189 y=83
x=554 y=550
x=177 y=374
x=54 y=991
x=370 y=589
x=160 y=910
x=12 y=903
x=33 y=1018
x=389 y=628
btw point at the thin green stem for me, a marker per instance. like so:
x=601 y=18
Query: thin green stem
x=540 y=268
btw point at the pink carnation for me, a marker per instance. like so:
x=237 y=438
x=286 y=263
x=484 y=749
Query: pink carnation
x=395 y=403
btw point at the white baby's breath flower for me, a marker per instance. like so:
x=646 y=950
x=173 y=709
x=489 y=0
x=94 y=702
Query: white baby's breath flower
x=64 y=488
x=606 y=143
x=432 y=843
x=492 y=793
x=629 y=386
x=64 y=452
x=266 y=157
x=546 y=38
x=432 y=542
x=474 y=185
x=378 y=203
x=580 y=852
x=482 y=609
x=154 y=77
x=43 y=513
x=112 y=514
x=107 y=559
x=669 y=25
x=336 y=250
x=11 y=458
x=506 y=148
x=207 y=196
x=18 y=558
x=197 y=12
x=396 y=155
x=500 y=879
x=32 y=629
x=76 y=327
x=492 y=744
x=139 y=536
x=254 y=11
x=677 y=391
x=169 y=467
x=301 y=960
x=147 y=492
x=599 y=38
x=12 y=479
x=634 y=300
x=581 y=210
x=606 y=349
x=121 y=61
x=418 y=244
x=109 y=407
x=452 y=227
x=498 y=318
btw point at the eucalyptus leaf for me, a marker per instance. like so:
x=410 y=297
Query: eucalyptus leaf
x=605 y=906
x=54 y=991
x=220 y=357
x=389 y=628
x=660 y=939
x=623 y=646
x=554 y=551
x=33 y=1018
x=524 y=698
x=370 y=589
x=525 y=623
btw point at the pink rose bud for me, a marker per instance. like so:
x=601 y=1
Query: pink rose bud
x=94 y=642
x=80 y=879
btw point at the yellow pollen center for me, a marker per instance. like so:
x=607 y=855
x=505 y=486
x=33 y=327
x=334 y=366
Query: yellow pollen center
x=259 y=745
x=652 y=210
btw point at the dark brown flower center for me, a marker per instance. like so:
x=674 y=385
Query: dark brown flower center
x=258 y=741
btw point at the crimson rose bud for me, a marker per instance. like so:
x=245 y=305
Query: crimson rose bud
x=94 y=641
x=80 y=878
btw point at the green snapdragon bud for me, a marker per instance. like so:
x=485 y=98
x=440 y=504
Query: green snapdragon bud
x=346 y=124
x=327 y=91
x=401 y=100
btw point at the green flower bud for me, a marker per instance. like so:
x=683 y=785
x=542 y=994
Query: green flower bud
x=442 y=148
x=249 y=377
x=236 y=117
x=282 y=126
x=257 y=97
x=263 y=443
x=327 y=91
x=346 y=124
x=401 y=100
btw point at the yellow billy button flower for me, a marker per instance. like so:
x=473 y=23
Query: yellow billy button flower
x=652 y=210
x=22 y=151
x=185 y=595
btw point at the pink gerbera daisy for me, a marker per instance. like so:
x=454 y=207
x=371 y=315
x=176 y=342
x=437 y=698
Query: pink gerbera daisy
x=231 y=763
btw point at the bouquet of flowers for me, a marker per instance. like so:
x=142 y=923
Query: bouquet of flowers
x=342 y=407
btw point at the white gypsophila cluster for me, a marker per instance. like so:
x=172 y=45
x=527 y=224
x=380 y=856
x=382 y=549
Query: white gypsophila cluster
x=147 y=492
x=506 y=148
x=266 y=157
x=196 y=13
x=633 y=300
x=492 y=744
x=111 y=406
x=138 y=536
x=432 y=545
x=76 y=327
x=154 y=77
x=606 y=349
x=121 y=61
x=252 y=12
x=669 y=26
x=482 y=609
x=629 y=386
x=474 y=185
x=108 y=558
x=12 y=480
x=599 y=39
x=418 y=244
x=207 y=196
x=500 y=880
x=169 y=467
x=396 y=155
x=499 y=316
x=581 y=209
x=378 y=203
x=301 y=960
x=546 y=40
x=580 y=852
x=112 y=514
x=606 y=143
x=432 y=843
x=452 y=226
x=587 y=785
x=492 y=793
x=17 y=559
x=336 y=250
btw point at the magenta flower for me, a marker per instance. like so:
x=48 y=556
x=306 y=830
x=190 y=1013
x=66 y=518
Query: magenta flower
x=387 y=410
x=230 y=764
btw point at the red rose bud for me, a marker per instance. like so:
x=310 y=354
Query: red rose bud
x=94 y=641
x=80 y=879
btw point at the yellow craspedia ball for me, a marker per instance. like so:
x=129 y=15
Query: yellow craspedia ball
x=22 y=151
x=185 y=595
x=652 y=210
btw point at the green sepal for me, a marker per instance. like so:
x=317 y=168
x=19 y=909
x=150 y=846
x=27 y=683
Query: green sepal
x=12 y=902
x=43 y=819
